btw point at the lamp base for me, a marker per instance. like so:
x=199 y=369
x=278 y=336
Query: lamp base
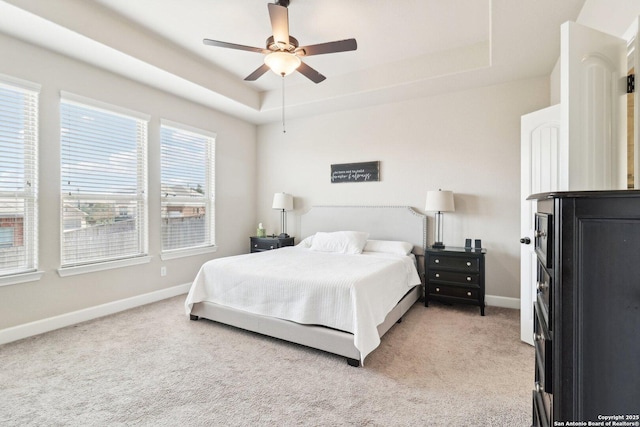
x=438 y=245
x=283 y=236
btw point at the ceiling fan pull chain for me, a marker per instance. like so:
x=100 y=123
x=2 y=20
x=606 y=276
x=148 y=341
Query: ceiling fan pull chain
x=284 y=130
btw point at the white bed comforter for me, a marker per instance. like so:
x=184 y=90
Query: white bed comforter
x=352 y=293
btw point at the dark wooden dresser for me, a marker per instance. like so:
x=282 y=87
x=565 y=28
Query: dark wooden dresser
x=455 y=275
x=259 y=244
x=587 y=310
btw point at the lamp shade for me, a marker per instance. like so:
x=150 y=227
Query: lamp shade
x=282 y=63
x=283 y=201
x=439 y=201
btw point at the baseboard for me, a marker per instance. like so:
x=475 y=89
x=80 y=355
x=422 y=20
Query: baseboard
x=504 y=302
x=19 y=332
x=26 y=330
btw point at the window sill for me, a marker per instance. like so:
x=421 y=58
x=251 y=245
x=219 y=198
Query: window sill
x=182 y=253
x=14 y=279
x=101 y=266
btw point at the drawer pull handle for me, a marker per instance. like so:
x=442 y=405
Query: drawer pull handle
x=468 y=263
x=437 y=261
x=271 y=246
x=437 y=289
x=468 y=279
x=437 y=274
x=469 y=293
x=255 y=246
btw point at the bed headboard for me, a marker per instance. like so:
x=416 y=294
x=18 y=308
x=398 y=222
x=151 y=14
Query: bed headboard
x=381 y=222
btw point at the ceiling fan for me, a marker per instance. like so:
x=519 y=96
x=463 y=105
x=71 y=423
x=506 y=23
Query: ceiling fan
x=283 y=51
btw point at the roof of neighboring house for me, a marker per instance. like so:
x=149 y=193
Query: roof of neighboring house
x=180 y=191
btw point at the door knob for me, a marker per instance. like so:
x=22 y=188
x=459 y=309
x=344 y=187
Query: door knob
x=525 y=240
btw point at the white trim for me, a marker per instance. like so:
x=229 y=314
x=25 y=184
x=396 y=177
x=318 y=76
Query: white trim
x=83 y=101
x=182 y=253
x=21 y=84
x=14 y=279
x=100 y=266
x=67 y=319
x=632 y=32
x=504 y=302
x=187 y=128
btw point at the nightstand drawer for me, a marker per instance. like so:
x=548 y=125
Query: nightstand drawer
x=454 y=277
x=264 y=244
x=455 y=262
x=260 y=244
x=453 y=291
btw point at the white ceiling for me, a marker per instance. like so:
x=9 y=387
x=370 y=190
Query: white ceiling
x=406 y=48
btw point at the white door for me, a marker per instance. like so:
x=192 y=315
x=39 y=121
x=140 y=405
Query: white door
x=540 y=173
x=633 y=64
x=593 y=68
x=579 y=144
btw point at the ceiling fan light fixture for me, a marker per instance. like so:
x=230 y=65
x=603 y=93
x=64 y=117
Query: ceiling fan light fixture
x=282 y=63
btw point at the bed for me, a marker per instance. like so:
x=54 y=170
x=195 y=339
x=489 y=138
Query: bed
x=338 y=302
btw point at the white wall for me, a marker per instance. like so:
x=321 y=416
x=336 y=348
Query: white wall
x=612 y=17
x=467 y=142
x=235 y=186
x=600 y=15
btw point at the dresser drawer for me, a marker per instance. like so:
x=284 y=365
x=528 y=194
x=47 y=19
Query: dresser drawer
x=453 y=291
x=544 y=295
x=544 y=353
x=543 y=238
x=541 y=414
x=455 y=262
x=454 y=277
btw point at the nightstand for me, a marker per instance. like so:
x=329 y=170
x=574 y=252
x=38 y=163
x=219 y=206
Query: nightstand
x=259 y=244
x=455 y=275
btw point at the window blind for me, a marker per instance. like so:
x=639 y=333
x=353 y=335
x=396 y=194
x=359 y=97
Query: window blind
x=104 y=182
x=187 y=185
x=18 y=177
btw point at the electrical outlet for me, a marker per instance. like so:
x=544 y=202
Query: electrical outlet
x=163 y=271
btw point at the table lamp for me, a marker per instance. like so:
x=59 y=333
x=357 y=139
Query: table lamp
x=439 y=201
x=284 y=202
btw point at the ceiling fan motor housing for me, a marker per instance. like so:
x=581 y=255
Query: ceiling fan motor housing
x=272 y=45
x=284 y=3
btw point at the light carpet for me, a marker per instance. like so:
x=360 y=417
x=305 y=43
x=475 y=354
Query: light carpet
x=151 y=366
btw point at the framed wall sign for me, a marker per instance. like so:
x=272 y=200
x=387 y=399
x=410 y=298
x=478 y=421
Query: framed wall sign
x=355 y=172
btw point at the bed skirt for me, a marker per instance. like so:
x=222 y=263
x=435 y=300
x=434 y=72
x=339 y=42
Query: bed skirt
x=319 y=337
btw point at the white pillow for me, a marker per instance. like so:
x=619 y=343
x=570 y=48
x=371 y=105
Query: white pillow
x=344 y=242
x=388 y=247
x=306 y=243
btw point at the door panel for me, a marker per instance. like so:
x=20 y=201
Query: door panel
x=593 y=109
x=540 y=172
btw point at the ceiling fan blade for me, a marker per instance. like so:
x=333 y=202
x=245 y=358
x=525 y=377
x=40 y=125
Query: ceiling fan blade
x=310 y=73
x=257 y=73
x=234 y=46
x=279 y=24
x=329 y=47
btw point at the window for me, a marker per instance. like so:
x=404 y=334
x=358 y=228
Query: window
x=18 y=177
x=104 y=184
x=187 y=184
